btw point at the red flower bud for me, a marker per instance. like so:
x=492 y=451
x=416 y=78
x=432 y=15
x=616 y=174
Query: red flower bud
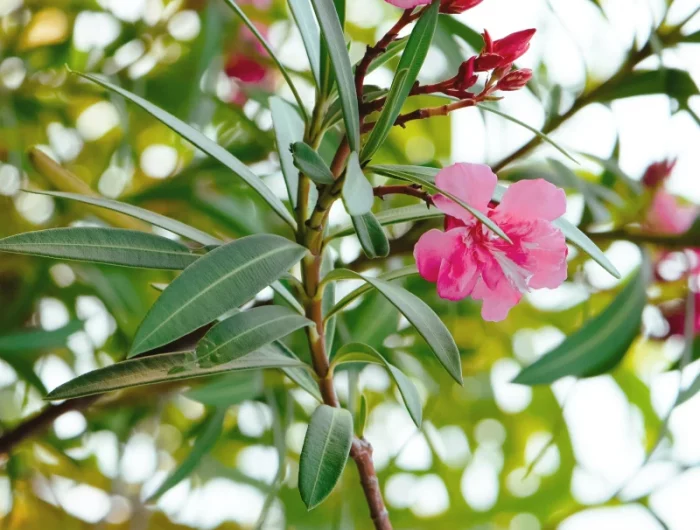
x=465 y=76
x=457 y=6
x=515 y=80
x=658 y=172
x=513 y=46
x=487 y=61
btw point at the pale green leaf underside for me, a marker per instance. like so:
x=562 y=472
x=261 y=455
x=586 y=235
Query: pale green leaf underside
x=324 y=454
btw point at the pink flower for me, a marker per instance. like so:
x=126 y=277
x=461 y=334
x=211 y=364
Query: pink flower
x=676 y=318
x=408 y=4
x=467 y=259
x=667 y=215
x=457 y=6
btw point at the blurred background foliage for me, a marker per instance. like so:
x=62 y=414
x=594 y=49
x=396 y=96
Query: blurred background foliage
x=491 y=454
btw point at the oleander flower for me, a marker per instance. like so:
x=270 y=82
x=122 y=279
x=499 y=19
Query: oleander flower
x=446 y=6
x=469 y=260
x=667 y=215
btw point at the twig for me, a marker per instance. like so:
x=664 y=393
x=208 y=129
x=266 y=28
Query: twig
x=413 y=191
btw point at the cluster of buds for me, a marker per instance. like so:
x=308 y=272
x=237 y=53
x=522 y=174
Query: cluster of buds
x=452 y=7
x=497 y=57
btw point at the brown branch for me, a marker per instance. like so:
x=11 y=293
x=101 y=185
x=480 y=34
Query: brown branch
x=413 y=191
x=361 y=453
x=42 y=421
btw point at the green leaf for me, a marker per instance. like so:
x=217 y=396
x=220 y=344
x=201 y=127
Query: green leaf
x=392 y=51
x=360 y=420
x=692 y=38
x=127 y=248
x=289 y=128
x=340 y=61
x=207 y=145
x=569 y=179
x=31 y=340
x=165 y=367
x=254 y=30
x=324 y=454
x=247 y=331
x=299 y=375
x=456 y=28
x=572 y=233
x=417 y=178
x=328 y=300
x=139 y=213
x=217 y=282
x=411 y=270
x=287 y=296
x=600 y=344
x=369 y=231
x=358 y=194
x=418 y=313
x=310 y=163
x=308 y=27
x=404 y=214
x=406 y=76
x=362 y=353
x=205 y=442
x=675 y=83
x=533 y=130
x=228 y=389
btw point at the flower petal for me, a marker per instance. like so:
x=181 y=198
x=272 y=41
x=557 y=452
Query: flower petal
x=533 y=199
x=472 y=183
x=435 y=246
x=546 y=252
x=497 y=302
x=406 y=4
x=666 y=214
x=457 y=276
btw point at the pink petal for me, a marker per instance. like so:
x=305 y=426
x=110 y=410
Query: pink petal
x=406 y=4
x=435 y=246
x=668 y=216
x=472 y=183
x=497 y=302
x=547 y=251
x=533 y=199
x=457 y=276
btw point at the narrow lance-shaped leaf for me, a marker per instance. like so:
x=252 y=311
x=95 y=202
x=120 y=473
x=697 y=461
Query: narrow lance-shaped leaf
x=219 y=281
x=403 y=214
x=139 y=213
x=229 y=389
x=247 y=331
x=407 y=74
x=419 y=314
x=362 y=353
x=308 y=27
x=311 y=164
x=166 y=367
x=600 y=344
x=371 y=235
x=340 y=61
x=324 y=454
x=358 y=194
x=298 y=374
x=289 y=128
x=205 y=442
x=126 y=248
x=207 y=145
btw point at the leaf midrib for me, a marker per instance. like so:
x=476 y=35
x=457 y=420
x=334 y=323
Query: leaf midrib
x=323 y=456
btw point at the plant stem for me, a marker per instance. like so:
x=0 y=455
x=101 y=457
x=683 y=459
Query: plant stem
x=412 y=191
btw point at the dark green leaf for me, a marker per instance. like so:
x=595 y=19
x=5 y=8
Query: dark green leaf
x=168 y=367
x=219 y=281
x=600 y=344
x=371 y=235
x=205 y=442
x=311 y=164
x=127 y=248
x=340 y=61
x=31 y=340
x=308 y=27
x=406 y=76
x=419 y=314
x=392 y=51
x=358 y=194
x=247 y=331
x=677 y=84
x=139 y=213
x=456 y=28
x=204 y=143
x=300 y=376
x=362 y=353
x=289 y=128
x=404 y=214
x=324 y=454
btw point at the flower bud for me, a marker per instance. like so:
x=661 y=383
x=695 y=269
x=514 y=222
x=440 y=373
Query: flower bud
x=465 y=76
x=657 y=173
x=512 y=47
x=515 y=80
